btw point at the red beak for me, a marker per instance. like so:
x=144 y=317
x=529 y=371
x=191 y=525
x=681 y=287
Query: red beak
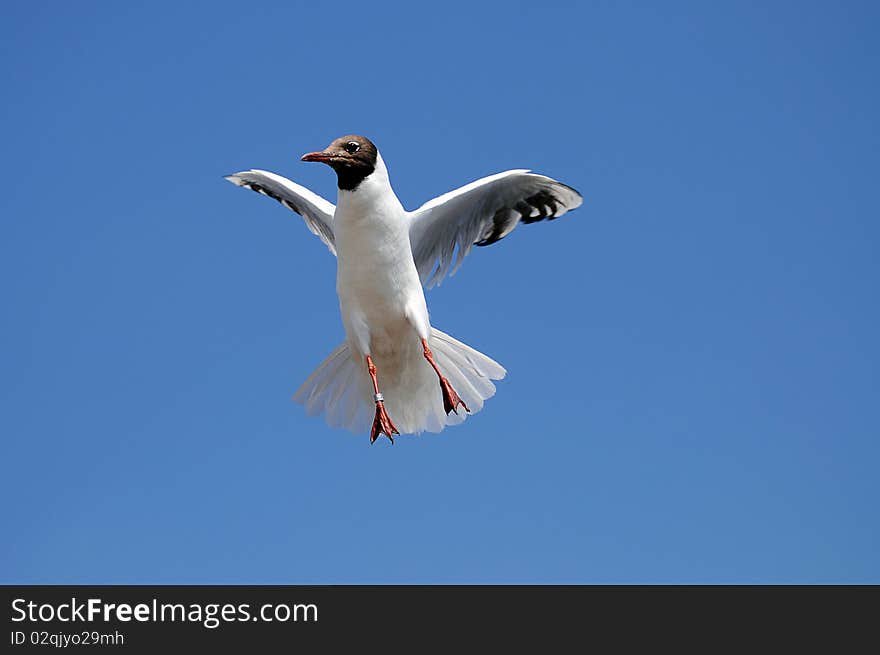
x=322 y=157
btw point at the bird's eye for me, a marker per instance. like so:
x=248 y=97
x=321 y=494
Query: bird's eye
x=352 y=147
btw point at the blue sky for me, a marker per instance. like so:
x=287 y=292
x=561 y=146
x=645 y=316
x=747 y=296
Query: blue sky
x=692 y=394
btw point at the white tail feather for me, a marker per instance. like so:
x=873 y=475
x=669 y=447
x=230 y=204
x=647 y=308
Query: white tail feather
x=341 y=388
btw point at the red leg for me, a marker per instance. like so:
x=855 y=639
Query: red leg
x=382 y=423
x=451 y=401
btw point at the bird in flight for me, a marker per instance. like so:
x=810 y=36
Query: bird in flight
x=394 y=368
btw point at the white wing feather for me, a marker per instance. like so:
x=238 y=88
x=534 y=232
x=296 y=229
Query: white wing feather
x=317 y=212
x=444 y=230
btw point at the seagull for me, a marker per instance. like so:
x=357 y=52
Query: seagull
x=394 y=368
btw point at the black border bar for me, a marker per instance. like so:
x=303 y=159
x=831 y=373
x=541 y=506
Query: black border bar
x=416 y=618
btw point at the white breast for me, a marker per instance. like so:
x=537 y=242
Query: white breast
x=380 y=294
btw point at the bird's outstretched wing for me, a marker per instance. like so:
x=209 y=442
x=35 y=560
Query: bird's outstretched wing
x=482 y=213
x=317 y=212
